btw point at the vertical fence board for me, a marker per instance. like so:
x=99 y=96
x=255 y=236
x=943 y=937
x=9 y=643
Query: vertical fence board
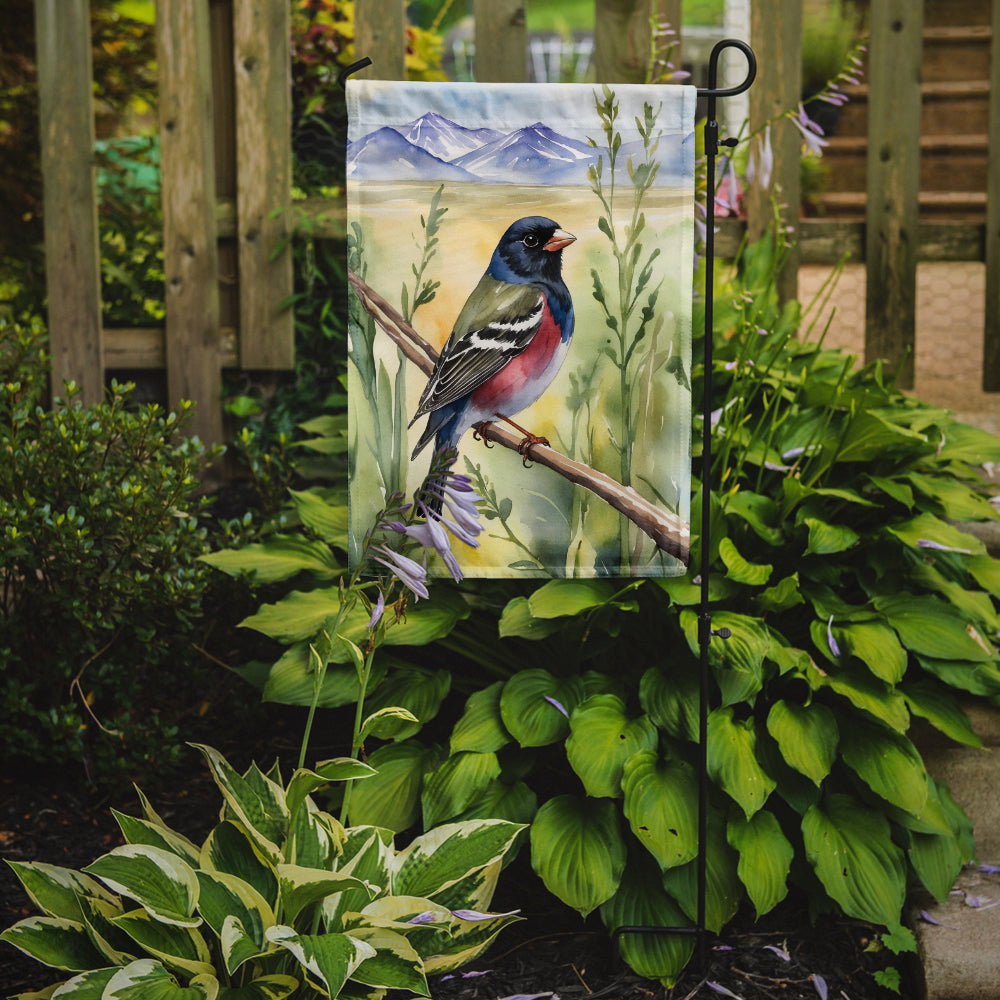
x=501 y=41
x=72 y=256
x=776 y=34
x=261 y=58
x=621 y=40
x=380 y=34
x=190 y=254
x=991 y=332
x=893 y=183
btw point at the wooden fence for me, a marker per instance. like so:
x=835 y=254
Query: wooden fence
x=226 y=161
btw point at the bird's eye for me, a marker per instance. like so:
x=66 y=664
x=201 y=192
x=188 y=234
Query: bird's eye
x=531 y=240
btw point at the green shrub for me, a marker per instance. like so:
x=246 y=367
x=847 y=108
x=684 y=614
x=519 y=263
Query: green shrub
x=99 y=546
x=280 y=899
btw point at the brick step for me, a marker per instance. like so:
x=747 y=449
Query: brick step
x=947 y=162
x=957 y=206
x=956 y=53
x=944 y=103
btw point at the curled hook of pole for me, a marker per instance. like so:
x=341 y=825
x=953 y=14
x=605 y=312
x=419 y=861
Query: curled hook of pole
x=712 y=91
x=352 y=68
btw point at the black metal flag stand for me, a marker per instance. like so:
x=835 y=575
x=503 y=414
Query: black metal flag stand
x=705 y=631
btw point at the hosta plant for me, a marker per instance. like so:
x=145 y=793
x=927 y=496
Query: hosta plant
x=279 y=900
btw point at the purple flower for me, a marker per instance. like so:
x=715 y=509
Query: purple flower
x=411 y=573
x=820 y=983
x=377 y=611
x=834 y=647
x=761 y=164
x=780 y=952
x=557 y=704
x=928 y=543
x=811 y=132
x=475 y=915
x=719 y=988
x=427 y=917
x=431 y=535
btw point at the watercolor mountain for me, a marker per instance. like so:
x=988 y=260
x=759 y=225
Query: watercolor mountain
x=433 y=148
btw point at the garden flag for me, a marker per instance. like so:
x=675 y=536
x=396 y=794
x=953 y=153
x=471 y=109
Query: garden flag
x=521 y=259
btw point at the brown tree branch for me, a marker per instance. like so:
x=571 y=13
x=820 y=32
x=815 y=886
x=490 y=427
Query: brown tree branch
x=670 y=533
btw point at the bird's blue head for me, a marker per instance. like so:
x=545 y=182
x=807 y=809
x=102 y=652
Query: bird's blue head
x=530 y=250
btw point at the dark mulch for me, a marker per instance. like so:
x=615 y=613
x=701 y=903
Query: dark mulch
x=551 y=951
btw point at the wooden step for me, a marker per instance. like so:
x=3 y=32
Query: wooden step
x=947 y=162
x=946 y=105
x=956 y=53
x=939 y=13
x=965 y=206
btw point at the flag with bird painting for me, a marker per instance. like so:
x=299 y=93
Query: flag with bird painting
x=520 y=258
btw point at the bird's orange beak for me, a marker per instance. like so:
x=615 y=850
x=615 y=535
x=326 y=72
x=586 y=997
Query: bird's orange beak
x=559 y=239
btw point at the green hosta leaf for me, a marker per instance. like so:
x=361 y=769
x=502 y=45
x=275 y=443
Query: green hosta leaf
x=931 y=628
x=641 y=901
x=602 y=738
x=866 y=692
x=517 y=620
x=273 y=987
x=330 y=959
x=783 y=595
x=226 y=898
x=395 y=964
x=760 y=512
x=147 y=979
x=304 y=782
x=671 y=700
x=385 y=723
x=738 y=661
x=888 y=763
x=456 y=784
x=535 y=706
x=292 y=679
x=723 y=889
x=976 y=678
x=180 y=948
x=559 y=598
x=807 y=736
x=876 y=646
x=732 y=760
x=956 y=500
x=516 y=803
x=870 y=435
x=927 y=528
x=578 y=851
x=159 y=881
x=230 y=849
x=765 y=858
x=415 y=689
x=301 y=887
x=279 y=558
x=738 y=569
x=986 y=572
x=937 y=859
x=260 y=809
x=481 y=728
x=327 y=520
x=828 y=539
x=142 y=831
x=391 y=798
x=56 y=891
x=438 y=859
x=54 y=941
x=941 y=709
x=850 y=847
x=661 y=798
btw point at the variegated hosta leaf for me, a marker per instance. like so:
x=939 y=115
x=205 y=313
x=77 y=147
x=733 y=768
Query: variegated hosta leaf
x=732 y=760
x=661 y=800
x=329 y=959
x=475 y=891
x=850 y=847
x=765 y=858
x=481 y=727
x=395 y=964
x=86 y=986
x=256 y=801
x=367 y=853
x=602 y=737
x=116 y=946
x=807 y=736
x=642 y=902
x=300 y=887
x=225 y=897
x=304 y=782
x=468 y=939
x=147 y=979
x=315 y=839
x=578 y=851
x=441 y=857
x=141 y=831
x=273 y=987
x=230 y=849
x=177 y=947
x=56 y=891
x=158 y=880
x=54 y=941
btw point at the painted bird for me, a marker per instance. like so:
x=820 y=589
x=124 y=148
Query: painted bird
x=509 y=339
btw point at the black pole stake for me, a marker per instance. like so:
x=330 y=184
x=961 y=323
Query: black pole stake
x=705 y=631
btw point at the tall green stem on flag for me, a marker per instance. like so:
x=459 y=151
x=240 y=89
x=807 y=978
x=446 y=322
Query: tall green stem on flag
x=627 y=313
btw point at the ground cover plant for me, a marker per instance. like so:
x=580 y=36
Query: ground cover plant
x=854 y=604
